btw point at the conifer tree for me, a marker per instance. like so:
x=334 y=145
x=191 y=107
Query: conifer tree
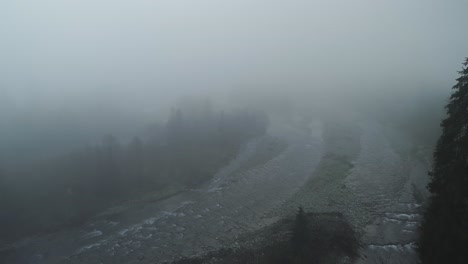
x=300 y=233
x=444 y=231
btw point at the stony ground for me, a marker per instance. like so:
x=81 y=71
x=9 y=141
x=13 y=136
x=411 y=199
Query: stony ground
x=375 y=176
x=191 y=223
x=331 y=240
x=369 y=173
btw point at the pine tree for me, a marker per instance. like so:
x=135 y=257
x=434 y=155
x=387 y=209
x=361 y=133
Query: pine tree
x=136 y=161
x=300 y=233
x=444 y=231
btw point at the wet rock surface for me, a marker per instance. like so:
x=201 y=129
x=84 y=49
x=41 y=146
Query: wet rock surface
x=190 y=223
x=360 y=169
x=372 y=176
x=331 y=240
x=385 y=181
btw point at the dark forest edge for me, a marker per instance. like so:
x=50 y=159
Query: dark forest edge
x=183 y=153
x=444 y=231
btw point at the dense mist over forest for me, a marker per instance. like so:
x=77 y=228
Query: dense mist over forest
x=93 y=67
x=109 y=104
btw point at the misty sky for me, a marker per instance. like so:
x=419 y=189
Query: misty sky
x=136 y=54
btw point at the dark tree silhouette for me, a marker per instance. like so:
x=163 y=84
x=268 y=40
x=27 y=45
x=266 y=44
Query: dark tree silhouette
x=300 y=233
x=444 y=231
x=184 y=152
x=135 y=163
x=109 y=169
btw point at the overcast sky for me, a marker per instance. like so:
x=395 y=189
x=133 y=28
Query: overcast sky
x=139 y=53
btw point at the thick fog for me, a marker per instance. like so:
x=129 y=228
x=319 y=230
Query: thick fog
x=137 y=54
x=82 y=62
x=149 y=130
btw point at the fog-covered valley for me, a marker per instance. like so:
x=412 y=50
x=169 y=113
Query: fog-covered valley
x=232 y=131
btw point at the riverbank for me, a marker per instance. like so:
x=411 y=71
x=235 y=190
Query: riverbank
x=332 y=240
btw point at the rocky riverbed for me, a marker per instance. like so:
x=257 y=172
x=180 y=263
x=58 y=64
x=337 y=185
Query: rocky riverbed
x=376 y=177
x=191 y=223
x=368 y=173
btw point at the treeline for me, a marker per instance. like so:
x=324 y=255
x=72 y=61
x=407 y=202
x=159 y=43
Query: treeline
x=444 y=230
x=184 y=152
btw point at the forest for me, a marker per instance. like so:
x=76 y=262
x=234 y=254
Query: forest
x=233 y=132
x=182 y=153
